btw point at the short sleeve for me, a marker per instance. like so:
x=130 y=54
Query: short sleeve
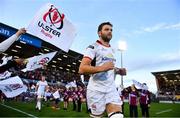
x=90 y=52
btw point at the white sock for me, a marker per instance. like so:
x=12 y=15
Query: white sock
x=39 y=105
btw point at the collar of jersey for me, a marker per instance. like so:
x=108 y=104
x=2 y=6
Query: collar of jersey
x=99 y=42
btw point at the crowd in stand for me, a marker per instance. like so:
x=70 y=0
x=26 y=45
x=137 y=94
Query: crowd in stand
x=52 y=76
x=168 y=92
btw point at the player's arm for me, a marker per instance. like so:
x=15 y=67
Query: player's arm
x=36 y=88
x=20 y=32
x=86 y=68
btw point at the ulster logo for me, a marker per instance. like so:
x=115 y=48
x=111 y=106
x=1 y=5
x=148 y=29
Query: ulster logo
x=43 y=61
x=54 y=17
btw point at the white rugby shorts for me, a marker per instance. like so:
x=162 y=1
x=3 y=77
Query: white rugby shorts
x=97 y=100
x=40 y=94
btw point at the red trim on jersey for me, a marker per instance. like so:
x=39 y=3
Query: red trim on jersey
x=98 y=41
x=87 y=57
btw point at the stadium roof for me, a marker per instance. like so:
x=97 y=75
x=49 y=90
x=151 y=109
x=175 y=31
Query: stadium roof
x=29 y=45
x=168 y=75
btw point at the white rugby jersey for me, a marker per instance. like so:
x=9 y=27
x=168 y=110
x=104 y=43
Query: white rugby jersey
x=103 y=81
x=42 y=85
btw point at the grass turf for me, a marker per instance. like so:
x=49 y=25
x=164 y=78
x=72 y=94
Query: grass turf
x=156 y=110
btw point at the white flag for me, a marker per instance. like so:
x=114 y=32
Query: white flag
x=5 y=74
x=52 y=26
x=38 y=61
x=71 y=84
x=141 y=86
x=5 y=60
x=56 y=94
x=12 y=87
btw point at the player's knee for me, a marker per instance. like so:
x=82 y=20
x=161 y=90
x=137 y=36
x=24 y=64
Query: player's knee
x=116 y=115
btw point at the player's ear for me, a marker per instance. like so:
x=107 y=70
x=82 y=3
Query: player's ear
x=99 y=33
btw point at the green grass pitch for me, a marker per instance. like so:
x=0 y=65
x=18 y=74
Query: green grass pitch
x=156 y=110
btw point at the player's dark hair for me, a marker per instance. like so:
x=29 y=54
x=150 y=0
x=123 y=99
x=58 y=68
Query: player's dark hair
x=102 y=24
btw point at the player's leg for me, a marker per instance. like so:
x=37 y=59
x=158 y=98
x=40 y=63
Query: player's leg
x=114 y=111
x=131 y=110
x=136 y=111
x=74 y=104
x=39 y=97
x=65 y=104
x=38 y=103
x=113 y=105
x=143 y=110
x=147 y=111
x=96 y=103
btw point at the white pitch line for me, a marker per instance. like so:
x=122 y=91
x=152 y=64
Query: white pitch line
x=168 y=110
x=19 y=111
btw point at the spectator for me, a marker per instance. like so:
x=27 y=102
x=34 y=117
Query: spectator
x=133 y=100
x=145 y=101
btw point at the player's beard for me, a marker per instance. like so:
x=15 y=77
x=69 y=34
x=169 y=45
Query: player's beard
x=106 y=38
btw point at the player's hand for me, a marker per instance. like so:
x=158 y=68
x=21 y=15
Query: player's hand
x=121 y=71
x=149 y=105
x=107 y=66
x=21 y=61
x=20 y=31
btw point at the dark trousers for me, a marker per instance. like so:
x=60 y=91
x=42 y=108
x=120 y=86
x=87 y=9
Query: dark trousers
x=133 y=111
x=144 y=110
x=87 y=109
x=79 y=105
x=74 y=105
x=122 y=108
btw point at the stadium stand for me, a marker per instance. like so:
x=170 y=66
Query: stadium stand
x=168 y=84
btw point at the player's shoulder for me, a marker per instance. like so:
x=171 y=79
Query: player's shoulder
x=93 y=46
